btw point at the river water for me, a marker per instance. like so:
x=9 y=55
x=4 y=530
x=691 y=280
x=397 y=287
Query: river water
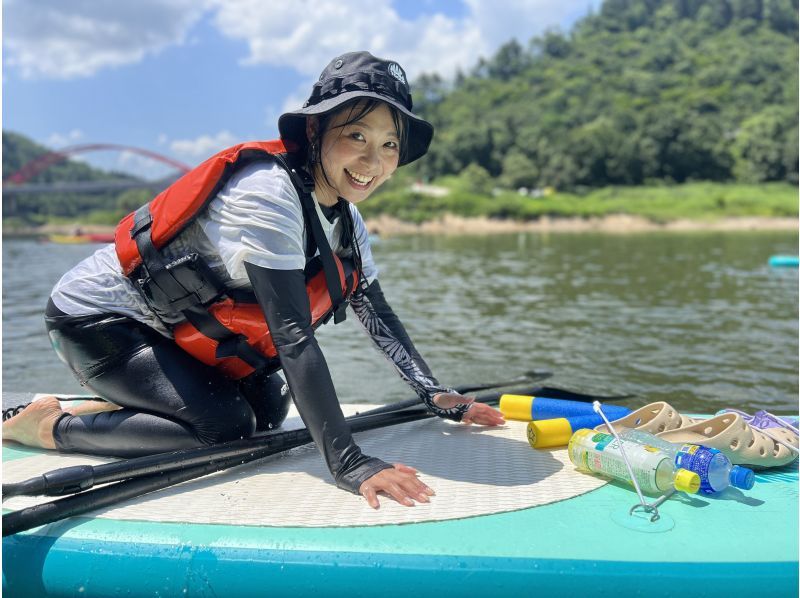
x=696 y=319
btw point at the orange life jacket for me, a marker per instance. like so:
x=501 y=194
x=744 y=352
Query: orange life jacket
x=223 y=328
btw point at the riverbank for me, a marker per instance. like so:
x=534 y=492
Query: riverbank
x=65 y=228
x=621 y=223
x=700 y=205
x=453 y=207
x=449 y=224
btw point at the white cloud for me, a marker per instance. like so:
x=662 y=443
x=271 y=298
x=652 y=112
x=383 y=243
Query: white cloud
x=138 y=165
x=200 y=148
x=63 y=40
x=498 y=22
x=306 y=34
x=59 y=140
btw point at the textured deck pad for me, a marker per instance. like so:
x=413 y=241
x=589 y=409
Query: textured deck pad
x=474 y=471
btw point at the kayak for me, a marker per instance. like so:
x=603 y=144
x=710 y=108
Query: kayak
x=85 y=238
x=784 y=261
x=505 y=519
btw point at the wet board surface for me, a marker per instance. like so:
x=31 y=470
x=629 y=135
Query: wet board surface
x=505 y=519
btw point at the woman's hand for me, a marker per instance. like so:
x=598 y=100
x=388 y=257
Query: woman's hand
x=478 y=413
x=400 y=482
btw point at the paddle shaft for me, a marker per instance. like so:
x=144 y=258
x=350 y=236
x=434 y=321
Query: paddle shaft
x=78 y=504
x=69 y=480
x=154 y=476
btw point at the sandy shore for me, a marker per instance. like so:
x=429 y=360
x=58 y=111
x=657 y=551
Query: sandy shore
x=387 y=226
x=456 y=225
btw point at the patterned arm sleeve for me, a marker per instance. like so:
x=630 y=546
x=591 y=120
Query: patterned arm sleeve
x=389 y=335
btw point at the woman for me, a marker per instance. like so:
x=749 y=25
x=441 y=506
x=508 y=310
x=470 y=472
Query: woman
x=139 y=321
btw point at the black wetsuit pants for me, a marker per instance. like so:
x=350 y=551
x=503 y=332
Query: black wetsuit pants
x=169 y=400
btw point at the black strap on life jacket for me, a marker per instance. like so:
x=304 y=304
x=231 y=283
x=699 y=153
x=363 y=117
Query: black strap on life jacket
x=304 y=184
x=185 y=301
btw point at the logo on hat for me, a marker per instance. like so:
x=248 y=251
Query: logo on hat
x=396 y=72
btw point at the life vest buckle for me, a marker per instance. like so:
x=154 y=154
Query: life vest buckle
x=142 y=220
x=184 y=283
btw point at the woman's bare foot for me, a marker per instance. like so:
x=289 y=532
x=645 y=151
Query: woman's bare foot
x=34 y=425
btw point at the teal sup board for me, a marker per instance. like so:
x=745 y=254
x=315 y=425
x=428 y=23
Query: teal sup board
x=506 y=520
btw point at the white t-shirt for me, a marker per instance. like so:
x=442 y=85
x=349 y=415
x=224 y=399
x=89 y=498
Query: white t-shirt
x=256 y=218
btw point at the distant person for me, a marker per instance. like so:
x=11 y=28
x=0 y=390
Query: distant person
x=265 y=238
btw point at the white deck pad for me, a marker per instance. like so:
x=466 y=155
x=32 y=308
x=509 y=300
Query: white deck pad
x=474 y=470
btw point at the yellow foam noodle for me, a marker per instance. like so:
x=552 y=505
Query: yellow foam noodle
x=516 y=407
x=548 y=433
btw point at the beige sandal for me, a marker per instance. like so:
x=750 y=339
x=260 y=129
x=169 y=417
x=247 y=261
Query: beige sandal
x=654 y=418
x=741 y=443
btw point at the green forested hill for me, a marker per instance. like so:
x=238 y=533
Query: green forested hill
x=644 y=91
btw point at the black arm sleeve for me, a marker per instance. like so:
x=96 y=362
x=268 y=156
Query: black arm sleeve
x=282 y=296
x=390 y=336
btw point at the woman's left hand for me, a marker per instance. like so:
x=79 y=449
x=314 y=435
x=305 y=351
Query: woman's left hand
x=478 y=413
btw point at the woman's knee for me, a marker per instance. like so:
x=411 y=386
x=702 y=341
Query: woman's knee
x=236 y=421
x=269 y=397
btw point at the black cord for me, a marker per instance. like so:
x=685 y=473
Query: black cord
x=12 y=411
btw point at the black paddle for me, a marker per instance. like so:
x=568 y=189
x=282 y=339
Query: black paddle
x=77 y=504
x=155 y=475
x=146 y=482
x=69 y=480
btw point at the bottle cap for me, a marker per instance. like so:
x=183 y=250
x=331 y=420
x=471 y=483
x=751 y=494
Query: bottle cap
x=687 y=481
x=516 y=407
x=742 y=477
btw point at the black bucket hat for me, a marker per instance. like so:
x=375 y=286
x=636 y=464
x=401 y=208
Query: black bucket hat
x=360 y=75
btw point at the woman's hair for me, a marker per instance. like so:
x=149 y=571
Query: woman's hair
x=357 y=109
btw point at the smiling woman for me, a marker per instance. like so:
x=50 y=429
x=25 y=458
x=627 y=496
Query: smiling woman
x=219 y=282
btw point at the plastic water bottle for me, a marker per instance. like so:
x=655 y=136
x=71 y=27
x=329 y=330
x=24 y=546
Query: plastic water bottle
x=715 y=469
x=653 y=469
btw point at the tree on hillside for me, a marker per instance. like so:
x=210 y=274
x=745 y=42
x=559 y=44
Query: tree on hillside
x=644 y=90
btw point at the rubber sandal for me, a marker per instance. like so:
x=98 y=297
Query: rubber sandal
x=764 y=419
x=738 y=440
x=654 y=418
x=781 y=429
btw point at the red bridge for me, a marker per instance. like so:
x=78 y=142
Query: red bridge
x=16 y=183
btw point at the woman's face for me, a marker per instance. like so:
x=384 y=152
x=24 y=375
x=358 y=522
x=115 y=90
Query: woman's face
x=357 y=157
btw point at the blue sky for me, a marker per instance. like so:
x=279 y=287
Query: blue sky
x=188 y=77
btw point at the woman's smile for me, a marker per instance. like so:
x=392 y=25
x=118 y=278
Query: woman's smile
x=359 y=181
